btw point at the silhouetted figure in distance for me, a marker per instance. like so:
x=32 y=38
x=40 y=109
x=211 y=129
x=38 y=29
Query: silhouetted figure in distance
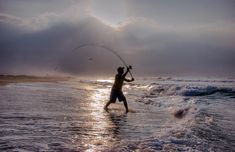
x=116 y=91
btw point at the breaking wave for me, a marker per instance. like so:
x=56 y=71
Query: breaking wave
x=185 y=90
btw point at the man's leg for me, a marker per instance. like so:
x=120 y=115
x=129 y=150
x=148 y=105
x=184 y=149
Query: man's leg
x=126 y=106
x=112 y=99
x=121 y=97
x=107 y=104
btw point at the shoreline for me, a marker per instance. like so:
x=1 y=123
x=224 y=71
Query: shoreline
x=8 y=79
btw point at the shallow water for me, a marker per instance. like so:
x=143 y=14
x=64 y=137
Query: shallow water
x=69 y=116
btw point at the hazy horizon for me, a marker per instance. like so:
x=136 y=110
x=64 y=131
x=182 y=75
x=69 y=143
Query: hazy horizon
x=158 y=38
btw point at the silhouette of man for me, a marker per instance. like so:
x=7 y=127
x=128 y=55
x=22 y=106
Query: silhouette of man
x=116 y=91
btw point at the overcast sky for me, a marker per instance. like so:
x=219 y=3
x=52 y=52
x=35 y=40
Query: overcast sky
x=157 y=37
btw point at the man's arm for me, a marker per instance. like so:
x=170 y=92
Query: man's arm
x=129 y=80
x=124 y=75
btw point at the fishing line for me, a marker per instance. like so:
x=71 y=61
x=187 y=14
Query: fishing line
x=107 y=49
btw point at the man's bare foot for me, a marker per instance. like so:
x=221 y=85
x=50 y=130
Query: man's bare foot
x=106 y=109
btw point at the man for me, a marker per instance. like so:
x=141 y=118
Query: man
x=116 y=91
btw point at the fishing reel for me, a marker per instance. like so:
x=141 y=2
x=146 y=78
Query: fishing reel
x=130 y=67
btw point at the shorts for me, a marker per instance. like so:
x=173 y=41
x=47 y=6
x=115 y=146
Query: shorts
x=116 y=94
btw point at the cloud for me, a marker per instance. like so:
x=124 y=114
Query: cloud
x=204 y=49
x=50 y=47
x=43 y=44
x=73 y=13
x=6 y=18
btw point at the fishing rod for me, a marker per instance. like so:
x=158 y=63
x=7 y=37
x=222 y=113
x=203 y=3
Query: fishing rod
x=107 y=49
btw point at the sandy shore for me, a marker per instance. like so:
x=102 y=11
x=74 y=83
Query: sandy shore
x=164 y=115
x=69 y=116
x=6 y=79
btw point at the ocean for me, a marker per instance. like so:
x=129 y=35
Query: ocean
x=166 y=114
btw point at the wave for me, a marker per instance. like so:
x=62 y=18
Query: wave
x=186 y=90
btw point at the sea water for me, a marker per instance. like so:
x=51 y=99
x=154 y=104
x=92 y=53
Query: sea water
x=166 y=114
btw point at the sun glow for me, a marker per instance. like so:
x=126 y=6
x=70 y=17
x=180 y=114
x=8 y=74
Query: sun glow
x=111 y=13
x=114 y=26
x=100 y=95
x=98 y=99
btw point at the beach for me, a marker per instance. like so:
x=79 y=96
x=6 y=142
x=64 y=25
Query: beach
x=166 y=114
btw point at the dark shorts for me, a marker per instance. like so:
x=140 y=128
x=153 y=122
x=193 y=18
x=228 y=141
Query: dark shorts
x=116 y=94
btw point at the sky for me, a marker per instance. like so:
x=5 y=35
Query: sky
x=156 y=37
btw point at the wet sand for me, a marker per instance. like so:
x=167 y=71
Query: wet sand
x=7 y=79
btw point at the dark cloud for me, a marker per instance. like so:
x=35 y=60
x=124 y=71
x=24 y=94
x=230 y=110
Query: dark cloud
x=183 y=12
x=51 y=49
x=27 y=8
x=45 y=46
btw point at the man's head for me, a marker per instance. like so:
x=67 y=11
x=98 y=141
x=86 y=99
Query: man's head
x=120 y=70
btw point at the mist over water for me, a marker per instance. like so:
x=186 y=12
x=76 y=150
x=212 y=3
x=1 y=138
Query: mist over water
x=167 y=114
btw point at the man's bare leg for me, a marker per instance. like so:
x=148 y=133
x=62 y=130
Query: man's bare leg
x=106 y=106
x=126 y=106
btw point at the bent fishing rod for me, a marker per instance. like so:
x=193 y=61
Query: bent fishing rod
x=107 y=49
